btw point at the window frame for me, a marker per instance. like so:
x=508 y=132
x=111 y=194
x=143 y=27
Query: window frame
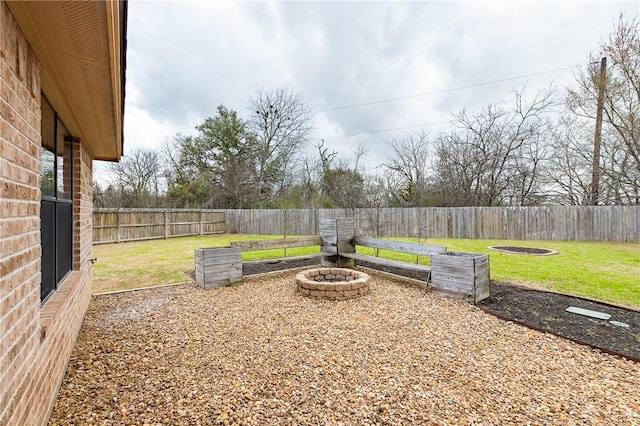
x=56 y=230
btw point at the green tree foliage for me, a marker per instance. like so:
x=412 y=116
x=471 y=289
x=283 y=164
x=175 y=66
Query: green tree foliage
x=343 y=188
x=214 y=168
x=236 y=163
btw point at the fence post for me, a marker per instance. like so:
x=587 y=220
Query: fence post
x=117 y=226
x=201 y=230
x=166 y=224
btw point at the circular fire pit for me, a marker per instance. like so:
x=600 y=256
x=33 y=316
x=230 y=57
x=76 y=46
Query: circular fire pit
x=332 y=283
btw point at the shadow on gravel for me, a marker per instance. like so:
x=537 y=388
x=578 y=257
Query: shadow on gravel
x=545 y=311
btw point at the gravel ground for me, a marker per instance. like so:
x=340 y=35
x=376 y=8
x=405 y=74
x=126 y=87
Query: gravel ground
x=259 y=354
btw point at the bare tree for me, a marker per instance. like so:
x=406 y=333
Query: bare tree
x=620 y=160
x=569 y=166
x=309 y=190
x=137 y=176
x=378 y=192
x=281 y=124
x=409 y=165
x=495 y=157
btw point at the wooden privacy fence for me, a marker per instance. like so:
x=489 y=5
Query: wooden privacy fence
x=119 y=225
x=554 y=223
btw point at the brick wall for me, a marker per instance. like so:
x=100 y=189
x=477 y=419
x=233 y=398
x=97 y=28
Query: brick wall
x=35 y=341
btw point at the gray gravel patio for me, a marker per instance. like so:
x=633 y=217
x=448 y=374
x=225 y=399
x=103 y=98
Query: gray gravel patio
x=260 y=354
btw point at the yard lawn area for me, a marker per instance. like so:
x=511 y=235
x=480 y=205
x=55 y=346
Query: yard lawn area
x=138 y=264
x=261 y=354
x=606 y=272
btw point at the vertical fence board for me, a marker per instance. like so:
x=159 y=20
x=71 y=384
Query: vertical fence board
x=556 y=223
x=112 y=226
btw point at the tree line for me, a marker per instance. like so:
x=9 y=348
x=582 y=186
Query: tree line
x=538 y=148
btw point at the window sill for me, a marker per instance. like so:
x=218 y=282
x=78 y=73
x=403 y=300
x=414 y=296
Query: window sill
x=55 y=304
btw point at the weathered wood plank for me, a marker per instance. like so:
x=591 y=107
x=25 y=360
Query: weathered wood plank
x=386 y=262
x=217 y=260
x=457 y=259
x=451 y=294
x=455 y=269
x=328 y=250
x=414 y=248
x=276 y=244
x=451 y=285
x=221 y=268
x=345 y=247
x=458 y=279
x=467 y=273
x=482 y=294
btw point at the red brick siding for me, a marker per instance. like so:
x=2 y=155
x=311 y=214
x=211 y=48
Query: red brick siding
x=19 y=213
x=82 y=207
x=35 y=341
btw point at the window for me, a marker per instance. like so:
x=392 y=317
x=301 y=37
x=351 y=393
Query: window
x=56 y=205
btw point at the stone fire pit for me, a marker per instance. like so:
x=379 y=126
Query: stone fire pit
x=332 y=283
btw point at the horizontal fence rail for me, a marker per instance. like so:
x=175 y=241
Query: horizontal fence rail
x=119 y=225
x=553 y=223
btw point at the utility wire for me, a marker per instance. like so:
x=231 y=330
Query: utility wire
x=369 y=132
x=444 y=90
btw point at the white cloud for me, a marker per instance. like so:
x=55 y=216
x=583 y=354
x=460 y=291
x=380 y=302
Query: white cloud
x=186 y=58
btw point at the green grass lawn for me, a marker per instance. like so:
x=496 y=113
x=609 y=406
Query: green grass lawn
x=607 y=272
x=157 y=262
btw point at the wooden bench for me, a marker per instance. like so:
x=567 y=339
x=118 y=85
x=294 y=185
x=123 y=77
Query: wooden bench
x=282 y=263
x=399 y=246
x=276 y=244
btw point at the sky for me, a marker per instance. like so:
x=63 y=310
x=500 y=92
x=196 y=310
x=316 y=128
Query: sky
x=184 y=58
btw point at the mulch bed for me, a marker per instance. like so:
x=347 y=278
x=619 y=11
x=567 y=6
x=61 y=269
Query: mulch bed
x=546 y=311
x=523 y=250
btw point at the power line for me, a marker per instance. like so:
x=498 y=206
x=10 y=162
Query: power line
x=369 y=132
x=502 y=80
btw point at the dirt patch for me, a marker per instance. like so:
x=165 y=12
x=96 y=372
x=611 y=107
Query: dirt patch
x=546 y=311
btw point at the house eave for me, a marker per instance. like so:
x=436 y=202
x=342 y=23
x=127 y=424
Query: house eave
x=81 y=48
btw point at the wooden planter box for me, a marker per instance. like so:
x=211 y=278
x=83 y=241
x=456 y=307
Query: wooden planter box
x=464 y=275
x=218 y=266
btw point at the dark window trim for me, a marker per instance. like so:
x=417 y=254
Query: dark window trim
x=56 y=227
